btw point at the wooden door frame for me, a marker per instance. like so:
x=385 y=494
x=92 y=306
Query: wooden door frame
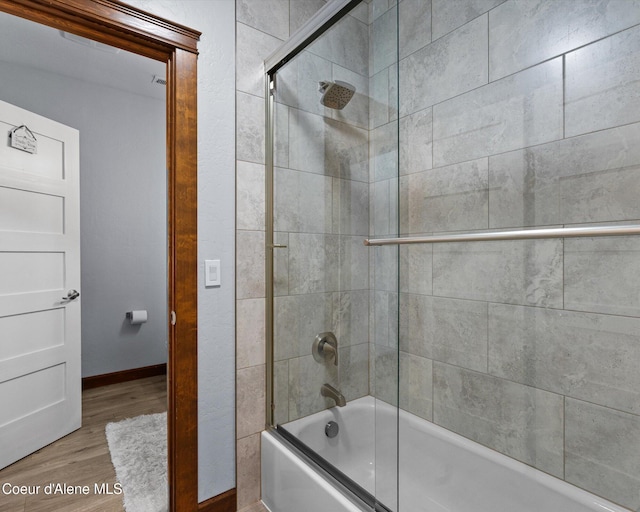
x=117 y=24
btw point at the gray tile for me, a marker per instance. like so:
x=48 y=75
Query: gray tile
x=380 y=99
x=250 y=281
x=313 y=260
x=306 y=377
x=346 y=151
x=269 y=16
x=254 y=507
x=361 y=12
x=603 y=453
x=516 y=112
x=350 y=207
x=303 y=201
x=281 y=264
x=250 y=332
x=298 y=82
x=250 y=401
x=307 y=141
x=319 y=263
x=250 y=196
x=351 y=317
x=249 y=62
x=326 y=146
x=250 y=132
x=602 y=83
x=450 y=66
x=415 y=268
x=352 y=266
x=385 y=319
x=384 y=208
x=452 y=198
x=448 y=15
x=416 y=324
x=383 y=37
x=415 y=25
x=516 y=420
x=356 y=112
x=353 y=370
x=591 y=178
x=416 y=385
x=394 y=100
x=385 y=268
x=512 y=272
x=385 y=373
x=583 y=355
x=603 y=275
x=345 y=44
x=384 y=152
x=298 y=319
x=301 y=11
x=281 y=391
x=416 y=142
x=460 y=333
x=516 y=26
x=377 y=8
x=446 y=330
x=281 y=135
x=248 y=479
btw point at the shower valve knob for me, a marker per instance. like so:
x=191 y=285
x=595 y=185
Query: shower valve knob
x=325 y=348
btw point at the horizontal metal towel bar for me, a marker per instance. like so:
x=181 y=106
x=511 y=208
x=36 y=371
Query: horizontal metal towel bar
x=520 y=234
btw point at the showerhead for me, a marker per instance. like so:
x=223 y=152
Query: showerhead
x=336 y=94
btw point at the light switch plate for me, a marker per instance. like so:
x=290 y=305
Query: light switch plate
x=212 y=272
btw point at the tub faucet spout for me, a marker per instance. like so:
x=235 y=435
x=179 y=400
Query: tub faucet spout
x=330 y=392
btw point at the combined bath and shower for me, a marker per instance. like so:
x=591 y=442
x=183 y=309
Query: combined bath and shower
x=336 y=94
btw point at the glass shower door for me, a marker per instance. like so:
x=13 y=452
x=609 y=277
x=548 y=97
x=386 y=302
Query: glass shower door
x=335 y=315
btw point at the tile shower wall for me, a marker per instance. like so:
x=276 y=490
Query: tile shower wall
x=515 y=114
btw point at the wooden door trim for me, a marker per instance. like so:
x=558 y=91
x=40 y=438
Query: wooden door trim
x=117 y=24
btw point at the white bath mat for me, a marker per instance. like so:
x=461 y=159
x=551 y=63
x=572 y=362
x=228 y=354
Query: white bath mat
x=138 y=449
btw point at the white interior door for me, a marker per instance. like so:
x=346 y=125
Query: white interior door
x=40 y=379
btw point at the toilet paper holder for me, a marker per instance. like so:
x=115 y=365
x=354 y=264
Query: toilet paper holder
x=137 y=317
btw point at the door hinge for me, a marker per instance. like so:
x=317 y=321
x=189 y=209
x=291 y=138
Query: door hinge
x=173 y=318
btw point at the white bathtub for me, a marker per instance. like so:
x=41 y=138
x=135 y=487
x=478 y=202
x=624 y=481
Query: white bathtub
x=439 y=471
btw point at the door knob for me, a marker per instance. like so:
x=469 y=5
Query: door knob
x=72 y=295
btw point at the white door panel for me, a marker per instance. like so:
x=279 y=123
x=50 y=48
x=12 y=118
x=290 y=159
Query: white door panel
x=40 y=378
x=30 y=212
x=40 y=330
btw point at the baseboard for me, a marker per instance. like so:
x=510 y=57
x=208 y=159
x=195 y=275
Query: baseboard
x=105 y=379
x=225 y=502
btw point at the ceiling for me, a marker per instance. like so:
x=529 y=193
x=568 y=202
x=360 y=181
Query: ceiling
x=37 y=46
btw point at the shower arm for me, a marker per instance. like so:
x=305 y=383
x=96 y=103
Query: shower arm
x=520 y=234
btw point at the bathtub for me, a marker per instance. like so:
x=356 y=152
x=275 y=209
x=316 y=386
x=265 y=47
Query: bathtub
x=439 y=471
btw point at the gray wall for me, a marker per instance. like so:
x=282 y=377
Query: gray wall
x=509 y=119
x=216 y=213
x=122 y=211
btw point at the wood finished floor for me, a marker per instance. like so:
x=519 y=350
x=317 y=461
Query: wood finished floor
x=82 y=457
